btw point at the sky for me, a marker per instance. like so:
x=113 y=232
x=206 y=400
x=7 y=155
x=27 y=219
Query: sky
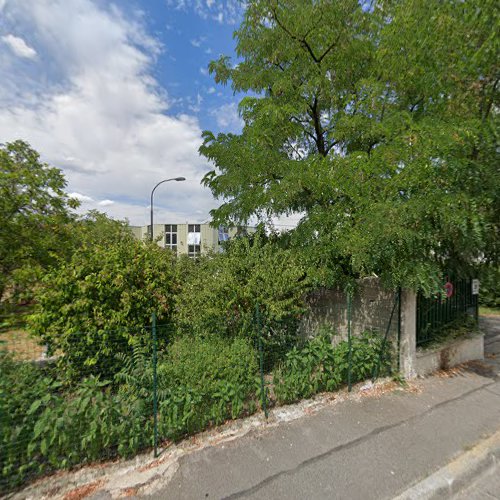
x=117 y=95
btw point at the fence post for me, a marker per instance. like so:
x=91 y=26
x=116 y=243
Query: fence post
x=376 y=369
x=261 y=361
x=399 y=330
x=155 y=383
x=349 y=341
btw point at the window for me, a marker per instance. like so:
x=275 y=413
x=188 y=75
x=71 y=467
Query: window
x=194 y=250
x=223 y=234
x=171 y=237
x=194 y=240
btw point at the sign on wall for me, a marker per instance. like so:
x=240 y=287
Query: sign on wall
x=475 y=287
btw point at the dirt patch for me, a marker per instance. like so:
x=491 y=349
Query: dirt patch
x=83 y=491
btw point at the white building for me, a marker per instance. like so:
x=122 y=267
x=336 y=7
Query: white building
x=190 y=239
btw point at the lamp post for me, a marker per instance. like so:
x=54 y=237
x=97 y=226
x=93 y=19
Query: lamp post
x=152 y=193
x=153 y=328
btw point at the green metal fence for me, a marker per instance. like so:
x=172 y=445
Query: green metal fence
x=149 y=386
x=454 y=306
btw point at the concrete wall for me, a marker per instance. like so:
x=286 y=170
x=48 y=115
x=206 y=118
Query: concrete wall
x=371 y=309
x=450 y=354
x=419 y=362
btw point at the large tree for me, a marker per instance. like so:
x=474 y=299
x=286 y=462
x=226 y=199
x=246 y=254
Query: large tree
x=34 y=215
x=375 y=120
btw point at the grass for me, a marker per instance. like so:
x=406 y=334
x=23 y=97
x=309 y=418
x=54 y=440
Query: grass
x=489 y=311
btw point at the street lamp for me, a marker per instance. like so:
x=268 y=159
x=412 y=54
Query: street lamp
x=152 y=192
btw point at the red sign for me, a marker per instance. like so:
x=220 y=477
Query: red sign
x=449 y=289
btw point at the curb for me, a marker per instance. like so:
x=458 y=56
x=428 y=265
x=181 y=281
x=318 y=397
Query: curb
x=458 y=474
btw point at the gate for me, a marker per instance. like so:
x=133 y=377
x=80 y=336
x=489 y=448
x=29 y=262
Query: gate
x=456 y=302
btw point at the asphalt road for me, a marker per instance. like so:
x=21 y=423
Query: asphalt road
x=371 y=448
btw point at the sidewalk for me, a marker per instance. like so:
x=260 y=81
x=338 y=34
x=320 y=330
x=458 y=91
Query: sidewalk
x=372 y=444
x=362 y=449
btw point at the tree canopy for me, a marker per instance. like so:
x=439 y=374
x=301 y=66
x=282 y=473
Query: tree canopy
x=34 y=215
x=377 y=122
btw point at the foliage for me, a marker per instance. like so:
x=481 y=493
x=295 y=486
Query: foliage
x=371 y=355
x=35 y=213
x=376 y=123
x=220 y=293
x=307 y=371
x=205 y=381
x=320 y=366
x=20 y=385
x=489 y=289
x=200 y=382
x=94 y=305
x=45 y=428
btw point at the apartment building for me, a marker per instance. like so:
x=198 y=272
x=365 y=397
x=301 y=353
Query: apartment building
x=190 y=239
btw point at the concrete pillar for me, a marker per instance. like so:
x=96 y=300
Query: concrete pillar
x=408 y=339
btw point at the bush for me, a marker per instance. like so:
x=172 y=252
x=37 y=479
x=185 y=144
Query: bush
x=20 y=385
x=96 y=305
x=319 y=366
x=45 y=428
x=489 y=291
x=205 y=381
x=307 y=371
x=218 y=294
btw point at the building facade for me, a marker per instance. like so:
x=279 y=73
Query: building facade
x=188 y=239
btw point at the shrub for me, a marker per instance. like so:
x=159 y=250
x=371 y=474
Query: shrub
x=96 y=305
x=45 y=428
x=489 y=291
x=205 y=381
x=306 y=370
x=20 y=385
x=370 y=355
x=89 y=423
x=319 y=366
x=219 y=293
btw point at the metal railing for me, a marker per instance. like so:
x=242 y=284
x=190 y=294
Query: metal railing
x=454 y=306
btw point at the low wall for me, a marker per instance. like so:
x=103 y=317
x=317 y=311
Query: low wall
x=449 y=354
x=371 y=309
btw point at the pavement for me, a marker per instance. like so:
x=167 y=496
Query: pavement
x=365 y=448
x=437 y=437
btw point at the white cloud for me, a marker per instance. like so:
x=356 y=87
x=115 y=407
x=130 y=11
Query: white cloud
x=227 y=117
x=197 y=42
x=204 y=71
x=106 y=203
x=228 y=11
x=99 y=114
x=211 y=90
x=81 y=197
x=19 y=46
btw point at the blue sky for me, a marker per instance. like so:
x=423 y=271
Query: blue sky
x=117 y=95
